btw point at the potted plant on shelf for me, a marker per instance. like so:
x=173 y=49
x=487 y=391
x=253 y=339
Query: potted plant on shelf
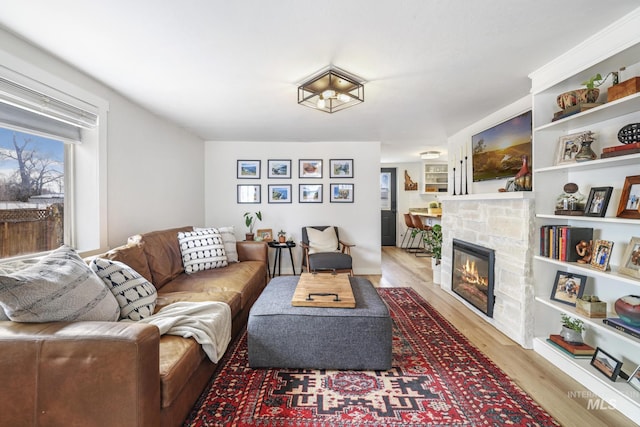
x=250 y=220
x=435 y=208
x=433 y=240
x=589 y=94
x=572 y=329
x=282 y=236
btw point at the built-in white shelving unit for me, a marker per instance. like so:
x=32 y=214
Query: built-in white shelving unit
x=434 y=178
x=614 y=49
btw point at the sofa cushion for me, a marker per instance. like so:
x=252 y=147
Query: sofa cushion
x=322 y=241
x=135 y=295
x=132 y=255
x=201 y=250
x=231 y=298
x=60 y=287
x=179 y=360
x=163 y=254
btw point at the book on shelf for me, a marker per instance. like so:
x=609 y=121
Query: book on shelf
x=560 y=241
x=567 y=352
x=621 y=147
x=616 y=322
x=576 y=349
x=575 y=109
x=619 y=153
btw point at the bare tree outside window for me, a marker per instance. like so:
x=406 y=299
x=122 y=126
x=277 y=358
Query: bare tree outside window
x=31 y=193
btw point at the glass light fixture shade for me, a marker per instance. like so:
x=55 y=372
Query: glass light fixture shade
x=336 y=87
x=429 y=155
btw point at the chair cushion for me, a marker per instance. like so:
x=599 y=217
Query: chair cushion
x=322 y=241
x=330 y=261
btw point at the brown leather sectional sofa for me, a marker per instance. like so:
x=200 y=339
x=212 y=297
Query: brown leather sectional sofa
x=118 y=373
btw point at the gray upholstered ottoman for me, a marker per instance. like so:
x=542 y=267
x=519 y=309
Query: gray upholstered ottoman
x=283 y=336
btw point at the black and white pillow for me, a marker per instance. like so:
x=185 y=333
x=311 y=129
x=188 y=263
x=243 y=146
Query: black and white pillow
x=135 y=295
x=228 y=239
x=202 y=250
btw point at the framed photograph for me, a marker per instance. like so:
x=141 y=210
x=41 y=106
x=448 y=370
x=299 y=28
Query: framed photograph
x=341 y=168
x=341 y=193
x=630 y=198
x=264 y=234
x=606 y=363
x=634 y=379
x=249 y=193
x=310 y=168
x=310 y=193
x=279 y=169
x=601 y=254
x=568 y=287
x=598 y=201
x=497 y=152
x=279 y=193
x=631 y=259
x=568 y=147
x=248 y=169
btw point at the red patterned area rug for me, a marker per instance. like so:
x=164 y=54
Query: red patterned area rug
x=438 y=378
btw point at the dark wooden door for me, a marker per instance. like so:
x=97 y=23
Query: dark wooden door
x=388 y=206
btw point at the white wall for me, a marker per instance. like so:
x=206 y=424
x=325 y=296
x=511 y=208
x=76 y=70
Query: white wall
x=359 y=222
x=155 y=171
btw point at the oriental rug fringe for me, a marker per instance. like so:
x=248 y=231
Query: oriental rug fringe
x=438 y=378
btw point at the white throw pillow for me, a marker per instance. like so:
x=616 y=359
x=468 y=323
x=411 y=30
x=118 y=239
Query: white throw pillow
x=60 y=287
x=135 y=295
x=322 y=241
x=228 y=240
x=202 y=250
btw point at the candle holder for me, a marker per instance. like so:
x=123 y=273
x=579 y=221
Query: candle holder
x=461 y=172
x=454 y=181
x=466 y=177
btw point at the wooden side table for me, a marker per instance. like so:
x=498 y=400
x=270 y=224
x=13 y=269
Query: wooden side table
x=278 y=257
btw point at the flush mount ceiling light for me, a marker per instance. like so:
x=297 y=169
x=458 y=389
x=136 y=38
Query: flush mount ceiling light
x=428 y=155
x=331 y=90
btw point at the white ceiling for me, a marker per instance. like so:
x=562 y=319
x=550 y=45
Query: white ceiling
x=228 y=69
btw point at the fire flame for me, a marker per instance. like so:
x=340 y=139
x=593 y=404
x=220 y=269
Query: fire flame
x=469 y=273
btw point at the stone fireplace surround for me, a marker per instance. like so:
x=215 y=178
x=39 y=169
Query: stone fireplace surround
x=503 y=222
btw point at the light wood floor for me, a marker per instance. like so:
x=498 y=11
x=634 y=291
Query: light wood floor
x=550 y=387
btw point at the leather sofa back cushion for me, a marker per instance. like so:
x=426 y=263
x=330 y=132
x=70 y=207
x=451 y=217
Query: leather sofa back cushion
x=163 y=254
x=132 y=255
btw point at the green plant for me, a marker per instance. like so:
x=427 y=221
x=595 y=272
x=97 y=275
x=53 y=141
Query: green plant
x=591 y=83
x=282 y=233
x=433 y=239
x=250 y=219
x=434 y=204
x=571 y=323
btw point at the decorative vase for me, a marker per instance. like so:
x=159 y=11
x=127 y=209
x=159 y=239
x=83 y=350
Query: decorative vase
x=571 y=336
x=586 y=153
x=522 y=180
x=282 y=239
x=628 y=308
x=436 y=267
x=578 y=96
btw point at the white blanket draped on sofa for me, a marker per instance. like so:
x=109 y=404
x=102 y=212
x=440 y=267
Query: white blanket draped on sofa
x=209 y=323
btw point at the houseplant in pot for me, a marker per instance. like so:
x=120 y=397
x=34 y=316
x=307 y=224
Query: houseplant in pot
x=433 y=240
x=572 y=329
x=250 y=220
x=282 y=236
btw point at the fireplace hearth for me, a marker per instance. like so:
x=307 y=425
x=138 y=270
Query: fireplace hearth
x=473 y=275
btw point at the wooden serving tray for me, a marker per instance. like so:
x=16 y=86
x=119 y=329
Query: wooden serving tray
x=324 y=290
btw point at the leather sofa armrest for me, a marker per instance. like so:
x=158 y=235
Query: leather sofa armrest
x=252 y=251
x=81 y=373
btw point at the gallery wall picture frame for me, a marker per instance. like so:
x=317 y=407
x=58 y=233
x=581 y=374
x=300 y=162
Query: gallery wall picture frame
x=568 y=147
x=630 y=198
x=631 y=259
x=264 y=234
x=310 y=193
x=634 y=379
x=341 y=193
x=279 y=193
x=248 y=169
x=601 y=254
x=278 y=168
x=598 y=201
x=568 y=287
x=249 y=193
x=341 y=168
x=310 y=168
x=608 y=365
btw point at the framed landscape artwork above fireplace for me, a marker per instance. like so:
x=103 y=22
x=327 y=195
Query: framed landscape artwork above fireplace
x=472 y=275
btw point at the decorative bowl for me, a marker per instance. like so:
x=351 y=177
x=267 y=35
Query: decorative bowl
x=628 y=308
x=578 y=96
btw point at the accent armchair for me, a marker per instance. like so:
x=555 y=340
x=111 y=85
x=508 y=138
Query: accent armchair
x=322 y=250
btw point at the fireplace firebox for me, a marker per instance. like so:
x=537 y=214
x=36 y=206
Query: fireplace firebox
x=473 y=275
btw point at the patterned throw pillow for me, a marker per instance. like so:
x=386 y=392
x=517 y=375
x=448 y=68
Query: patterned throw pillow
x=135 y=295
x=60 y=287
x=202 y=250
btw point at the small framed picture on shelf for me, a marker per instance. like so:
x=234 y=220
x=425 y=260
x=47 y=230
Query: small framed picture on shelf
x=264 y=234
x=606 y=363
x=310 y=193
x=341 y=168
x=279 y=169
x=630 y=198
x=248 y=169
x=634 y=379
x=568 y=287
x=598 y=201
x=309 y=168
x=341 y=193
x=249 y=193
x=601 y=254
x=568 y=147
x=279 y=193
x=631 y=259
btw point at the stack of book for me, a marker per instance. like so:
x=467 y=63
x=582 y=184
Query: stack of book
x=575 y=109
x=622 y=326
x=577 y=351
x=559 y=241
x=620 y=150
